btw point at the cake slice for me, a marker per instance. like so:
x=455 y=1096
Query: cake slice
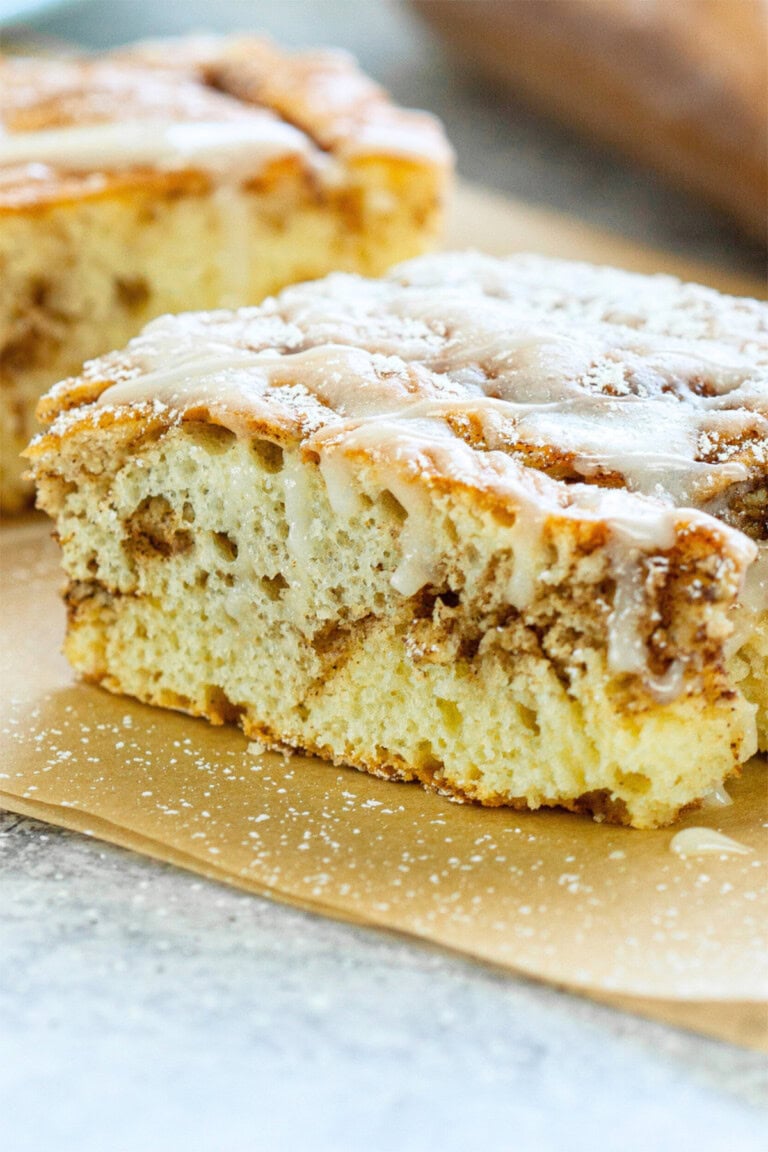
x=187 y=174
x=500 y=526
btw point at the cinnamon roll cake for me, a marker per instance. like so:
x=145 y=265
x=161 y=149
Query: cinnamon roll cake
x=499 y=526
x=188 y=174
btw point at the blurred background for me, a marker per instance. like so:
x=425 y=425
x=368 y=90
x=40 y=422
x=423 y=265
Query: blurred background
x=646 y=117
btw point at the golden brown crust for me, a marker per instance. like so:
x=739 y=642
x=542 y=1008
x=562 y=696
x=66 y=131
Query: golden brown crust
x=322 y=92
x=336 y=107
x=600 y=804
x=53 y=189
x=575 y=373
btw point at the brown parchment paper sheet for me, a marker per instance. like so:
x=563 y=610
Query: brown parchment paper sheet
x=606 y=911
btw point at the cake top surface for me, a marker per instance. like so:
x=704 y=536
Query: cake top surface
x=586 y=374
x=226 y=105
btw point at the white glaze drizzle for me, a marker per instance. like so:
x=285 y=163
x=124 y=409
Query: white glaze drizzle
x=627 y=650
x=717 y=798
x=754 y=595
x=753 y=601
x=152 y=106
x=396 y=132
x=529 y=554
x=233 y=149
x=298 y=513
x=706 y=842
x=533 y=353
x=420 y=562
x=345 y=499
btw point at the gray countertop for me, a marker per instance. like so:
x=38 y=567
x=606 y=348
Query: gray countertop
x=143 y=1008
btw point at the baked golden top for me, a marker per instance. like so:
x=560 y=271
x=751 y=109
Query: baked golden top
x=226 y=105
x=587 y=374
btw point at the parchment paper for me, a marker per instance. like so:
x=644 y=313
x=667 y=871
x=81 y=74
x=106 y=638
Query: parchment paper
x=607 y=911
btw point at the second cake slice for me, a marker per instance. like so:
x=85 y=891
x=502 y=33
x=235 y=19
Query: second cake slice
x=188 y=174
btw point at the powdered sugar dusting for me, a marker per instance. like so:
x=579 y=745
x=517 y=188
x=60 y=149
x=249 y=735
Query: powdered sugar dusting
x=591 y=373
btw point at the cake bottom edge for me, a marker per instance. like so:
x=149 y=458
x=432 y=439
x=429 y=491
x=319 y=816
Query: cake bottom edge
x=450 y=729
